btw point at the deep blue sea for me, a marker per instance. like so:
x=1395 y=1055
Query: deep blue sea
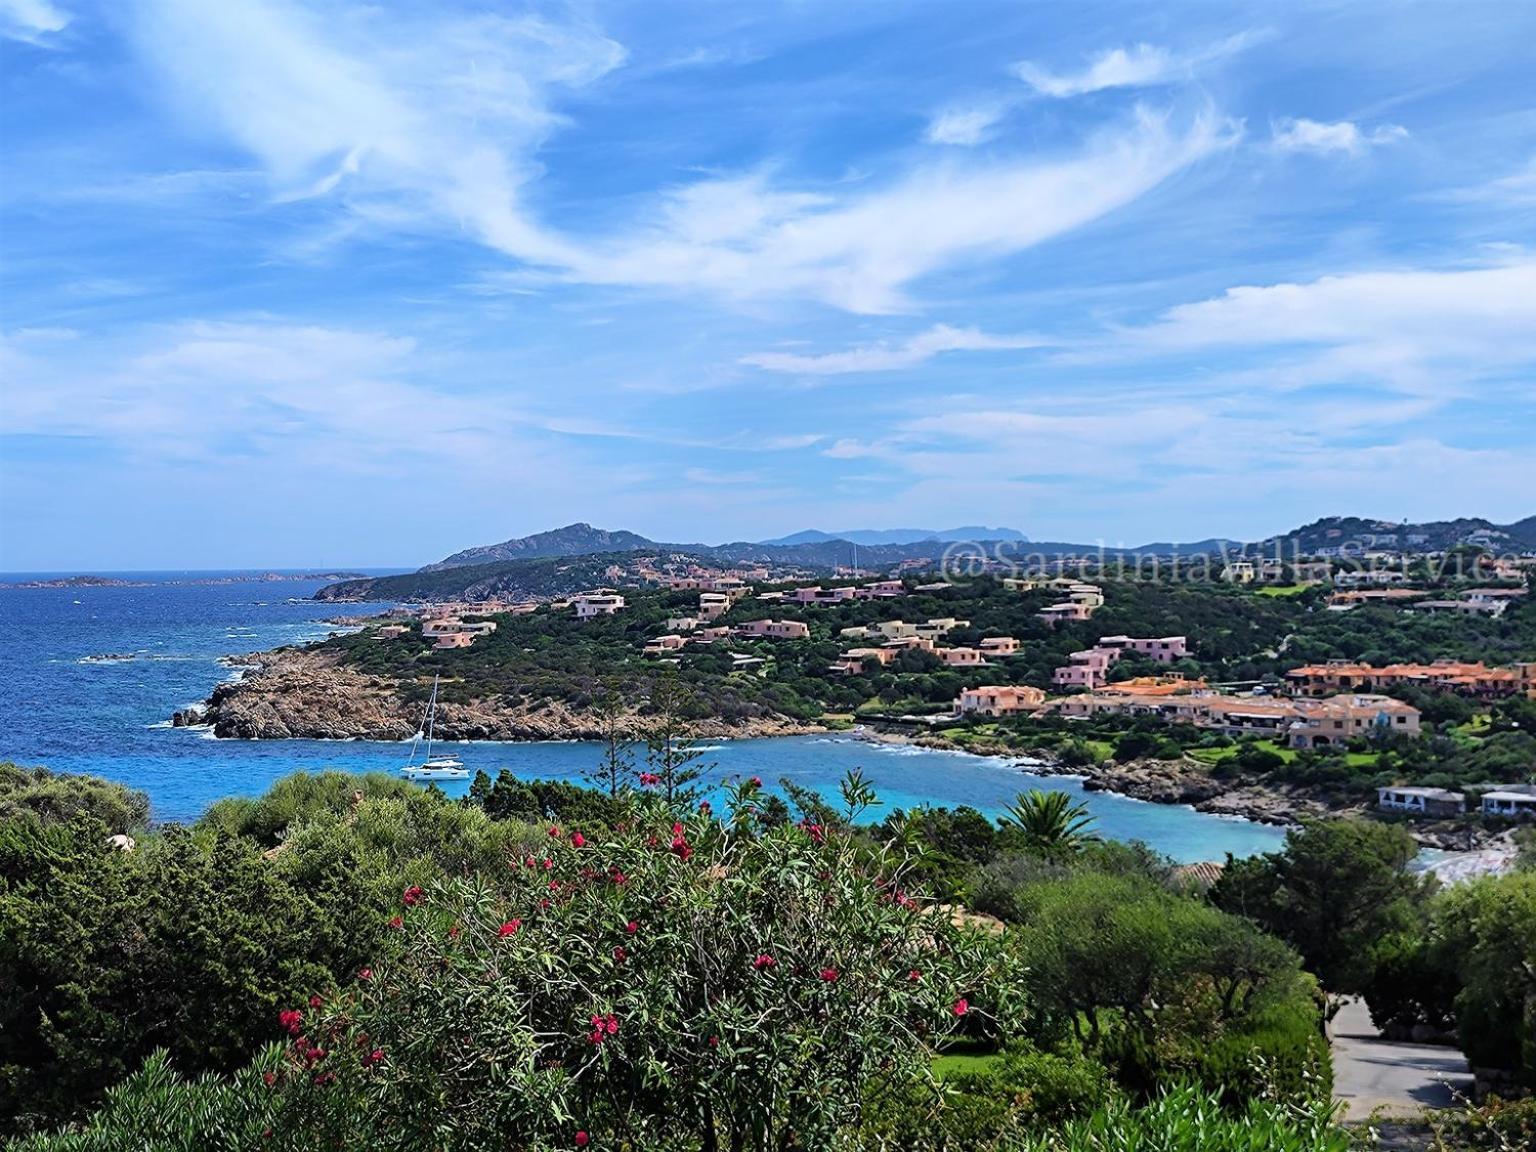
x=113 y=719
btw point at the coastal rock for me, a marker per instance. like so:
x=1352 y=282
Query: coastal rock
x=307 y=694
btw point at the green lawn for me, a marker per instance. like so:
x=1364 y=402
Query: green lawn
x=1283 y=589
x=1216 y=755
x=963 y=1064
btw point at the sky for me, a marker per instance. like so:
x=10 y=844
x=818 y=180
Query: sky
x=327 y=284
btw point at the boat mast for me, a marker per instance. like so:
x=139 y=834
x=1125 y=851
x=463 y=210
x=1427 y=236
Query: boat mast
x=431 y=716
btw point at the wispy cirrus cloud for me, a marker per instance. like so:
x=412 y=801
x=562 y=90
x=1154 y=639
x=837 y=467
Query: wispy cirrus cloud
x=965 y=126
x=34 y=22
x=384 y=120
x=1302 y=135
x=885 y=357
x=1139 y=66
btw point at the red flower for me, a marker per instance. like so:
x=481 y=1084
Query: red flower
x=548 y=863
x=756 y=781
x=962 y=1006
x=554 y=833
x=365 y=974
x=373 y=1057
x=581 y=1139
x=704 y=807
x=269 y=1078
x=632 y=927
x=611 y=1024
x=509 y=928
x=453 y=932
x=763 y=960
x=531 y=862
x=412 y=896
x=578 y=840
x=914 y=975
x=554 y=885
x=829 y=974
x=619 y=954
x=602 y=1028
x=815 y=833
x=714 y=1041
x=315 y=1001
x=395 y=922
x=291 y=1019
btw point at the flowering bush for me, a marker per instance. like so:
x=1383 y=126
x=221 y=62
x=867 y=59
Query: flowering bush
x=685 y=984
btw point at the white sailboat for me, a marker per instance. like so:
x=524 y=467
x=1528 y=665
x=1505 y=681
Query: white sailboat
x=432 y=768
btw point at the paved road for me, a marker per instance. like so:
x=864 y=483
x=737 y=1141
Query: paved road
x=1370 y=1073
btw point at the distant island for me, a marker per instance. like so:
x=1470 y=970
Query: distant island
x=237 y=578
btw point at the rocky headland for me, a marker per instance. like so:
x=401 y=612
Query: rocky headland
x=297 y=693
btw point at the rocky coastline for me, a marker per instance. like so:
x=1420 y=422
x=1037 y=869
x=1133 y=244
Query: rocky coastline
x=1190 y=783
x=298 y=693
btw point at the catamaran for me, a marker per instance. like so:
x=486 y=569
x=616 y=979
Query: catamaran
x=432 y=768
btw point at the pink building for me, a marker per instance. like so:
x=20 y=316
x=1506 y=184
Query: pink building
x=591 y=604
x=1065 y=613
x=1163 y=649
x=882 y=590
x=960 y=657
x=669 y=643
x=999 y=700
x=1089 y=668
x=455 y=640
x=775 y=629
x=999 y=645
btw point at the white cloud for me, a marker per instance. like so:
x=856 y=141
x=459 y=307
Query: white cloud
x=408 y=122
x=416 y=126
x=1301 y=135
x=31 y=21
x=1139 y=66
x=889 y=357
x=965 y=127
x=859 y=249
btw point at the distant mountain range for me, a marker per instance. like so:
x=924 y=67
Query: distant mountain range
x=900 y=535
x=575 y=556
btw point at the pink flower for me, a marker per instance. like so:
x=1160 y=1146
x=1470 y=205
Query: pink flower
x=412 y=896
x=602 y=1028
x=704 y=807
x=763 y=960
x=632 y=927
x=962 y=1006
x=315 y=1002
x=453 y=932
x=548 y=864
x=396 y=922
x=714 y=1041
x=914 y=975
x=269 y=1078
x=618 y=877
x=578 y=840
x=619 y=954
x=581 y=1139
x=291 y=1019
x=373 y=1057
x=365 y=974
x=756 y=781
x=829 y=974
x=509 y=928
x=554 y=833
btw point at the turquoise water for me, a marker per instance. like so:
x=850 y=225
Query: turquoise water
x=112 y=719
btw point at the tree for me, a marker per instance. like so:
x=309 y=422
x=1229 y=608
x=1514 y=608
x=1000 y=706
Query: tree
x=672 y=755
x=614 y=773
x=1050 y=823
x=1336 y=890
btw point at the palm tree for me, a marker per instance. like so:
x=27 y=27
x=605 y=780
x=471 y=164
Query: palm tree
x=1051 y=823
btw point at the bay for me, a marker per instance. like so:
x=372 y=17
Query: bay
x=63 y=706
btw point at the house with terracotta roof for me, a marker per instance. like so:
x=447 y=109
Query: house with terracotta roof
x=998 y=700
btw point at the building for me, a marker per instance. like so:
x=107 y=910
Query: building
x=852 y=661
x=960 y=657
x=454 y=640
x=390 y=631
x=882 y=590
x=775 y=629
x=1421 y=801
x=999 y=700
x=1510 y=805
x=1299 y=723
x=815 y=594
x=713 y=605
x=1089 y=668
x=1066 y=612
x=682 y=623
x=669 y=643
x=603 y=602
x=1476 y=680
x=998 y=645
x=1462 y=607
x=1164 y=649
x=940 y=626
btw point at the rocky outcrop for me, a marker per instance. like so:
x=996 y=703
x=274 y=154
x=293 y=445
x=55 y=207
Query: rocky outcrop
x=310 y=694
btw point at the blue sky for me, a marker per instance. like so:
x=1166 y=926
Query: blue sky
x=340 y=284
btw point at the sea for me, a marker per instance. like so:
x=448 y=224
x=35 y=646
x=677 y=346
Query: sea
x=90 y=677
